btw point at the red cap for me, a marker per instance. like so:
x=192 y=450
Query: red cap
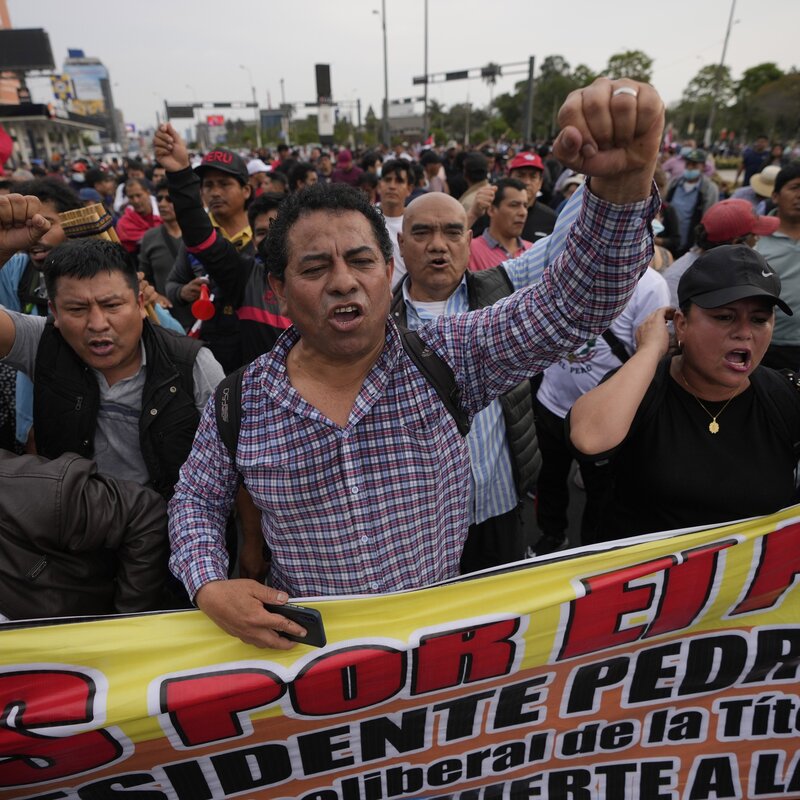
x=731 y=219
x=526 y=160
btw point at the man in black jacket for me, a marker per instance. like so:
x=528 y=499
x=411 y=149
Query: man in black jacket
x=76 y=543
x=108 y=384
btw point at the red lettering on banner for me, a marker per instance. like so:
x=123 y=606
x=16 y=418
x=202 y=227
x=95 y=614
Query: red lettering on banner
x=348 y=679
x=777 y=570
x=445 y=660
x=207 y=708
x=687 y=588
x=34 y=700
x=596 y=619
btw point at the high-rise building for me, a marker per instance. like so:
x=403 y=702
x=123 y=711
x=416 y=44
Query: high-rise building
x=93 y=96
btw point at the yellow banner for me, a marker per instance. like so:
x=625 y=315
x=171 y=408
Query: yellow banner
x=667 y=668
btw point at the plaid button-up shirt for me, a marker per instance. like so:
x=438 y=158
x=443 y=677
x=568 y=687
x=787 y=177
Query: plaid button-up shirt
x=382 y=504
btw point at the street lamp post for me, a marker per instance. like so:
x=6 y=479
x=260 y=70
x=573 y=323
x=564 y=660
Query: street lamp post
x=255 y=103
x=386 y=138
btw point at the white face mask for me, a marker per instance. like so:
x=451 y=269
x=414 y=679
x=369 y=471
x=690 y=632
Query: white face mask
x=78 y=177
x=658 y=227
x=378 y=171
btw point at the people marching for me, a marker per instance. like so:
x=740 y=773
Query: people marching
x=541 y=281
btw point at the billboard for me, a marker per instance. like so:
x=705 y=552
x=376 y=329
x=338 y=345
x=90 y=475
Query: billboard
x=87 y=80
x=22 y=49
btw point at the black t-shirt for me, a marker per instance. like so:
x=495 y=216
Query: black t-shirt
x=540 y=222
x=671 y=472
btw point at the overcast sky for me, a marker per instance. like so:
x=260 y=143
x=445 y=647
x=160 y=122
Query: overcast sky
x=182 y=50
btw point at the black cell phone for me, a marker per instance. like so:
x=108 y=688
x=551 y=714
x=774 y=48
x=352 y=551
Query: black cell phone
x=309 y=618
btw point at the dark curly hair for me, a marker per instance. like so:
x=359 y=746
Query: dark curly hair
x=51 y=191
x=335 y=198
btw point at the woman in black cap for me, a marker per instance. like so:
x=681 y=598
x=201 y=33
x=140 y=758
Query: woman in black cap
x=705 y=436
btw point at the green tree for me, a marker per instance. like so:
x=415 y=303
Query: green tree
x=555 y=82
x=633 y=64
x=755 y=77
x=747 y=117
x=710 y=80
x=510 y=108
x=778 y=104
x=582 y=75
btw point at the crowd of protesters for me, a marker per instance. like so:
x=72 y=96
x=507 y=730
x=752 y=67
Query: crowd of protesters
x=113 y=351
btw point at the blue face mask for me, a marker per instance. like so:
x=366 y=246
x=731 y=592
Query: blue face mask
x=691 y=174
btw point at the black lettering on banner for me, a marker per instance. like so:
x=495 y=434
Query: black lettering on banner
x=652 y=679
x=713 y=663
x=445 y=772
x=770 y=777
x=120 y=785
x=695 y=666
x=403 y=780
x=638 y=780
x=406 y=735
x=675 y=726
x=461 y=719
x=714 y=778
x=317 y=750
x=508 y=710
x=586 y=683
x=777 y=655
x=595 y=737
x=252 y=768
x=765 y=716
x=575 y=784
x=187 y=780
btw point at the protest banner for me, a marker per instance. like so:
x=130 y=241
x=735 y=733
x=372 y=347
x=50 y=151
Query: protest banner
x=664 y=668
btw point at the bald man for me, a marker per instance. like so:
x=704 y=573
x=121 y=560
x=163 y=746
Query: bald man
x=504 y=455
x=359 y=471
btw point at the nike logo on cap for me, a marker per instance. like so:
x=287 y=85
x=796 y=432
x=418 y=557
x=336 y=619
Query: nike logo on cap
x=767 y=274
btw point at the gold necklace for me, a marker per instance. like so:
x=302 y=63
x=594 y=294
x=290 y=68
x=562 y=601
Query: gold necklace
x=713 y=426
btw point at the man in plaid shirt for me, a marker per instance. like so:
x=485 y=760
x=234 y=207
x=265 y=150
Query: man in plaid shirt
x=359 y=471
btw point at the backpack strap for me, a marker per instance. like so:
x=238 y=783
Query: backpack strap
x=228 y=394
x=617 y=348
x=439 y=375
x=228 y=409
x=31 y=292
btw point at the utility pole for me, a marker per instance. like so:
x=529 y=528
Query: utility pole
x=715 y=98
x=255 y=103
x=425 y=132
x=387 y=139
x=527 y=135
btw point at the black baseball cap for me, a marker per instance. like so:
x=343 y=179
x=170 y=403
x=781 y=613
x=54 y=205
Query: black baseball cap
x=224 y=161
x=728 y=273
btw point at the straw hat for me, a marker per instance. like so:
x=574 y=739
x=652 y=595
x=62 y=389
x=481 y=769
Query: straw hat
x=764 y=181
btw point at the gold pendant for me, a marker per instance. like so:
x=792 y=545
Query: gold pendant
x=713 y=426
